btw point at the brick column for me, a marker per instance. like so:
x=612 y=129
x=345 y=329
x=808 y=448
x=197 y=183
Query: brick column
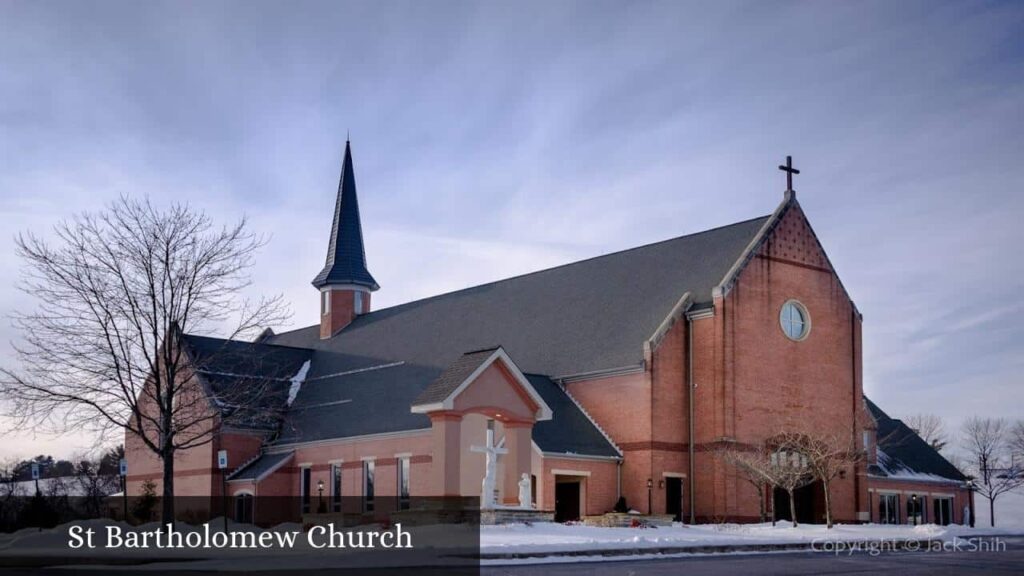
x=446 y=430
x=518 y=441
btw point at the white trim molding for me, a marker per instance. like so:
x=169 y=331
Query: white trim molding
x=561 y=472
x=543 y=411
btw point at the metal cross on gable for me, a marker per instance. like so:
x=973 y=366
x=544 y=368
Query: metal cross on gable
x=789 y=170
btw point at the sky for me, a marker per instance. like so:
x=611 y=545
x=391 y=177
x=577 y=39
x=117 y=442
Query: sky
x=492 y=139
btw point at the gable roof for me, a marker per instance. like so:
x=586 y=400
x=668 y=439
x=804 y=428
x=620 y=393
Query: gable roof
x=441 y=393
x=453 y=376
x=345 y=396
x=587 y=316
x=346 y=257
x=904 y=455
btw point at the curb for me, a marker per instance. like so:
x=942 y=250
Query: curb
x=829 y=546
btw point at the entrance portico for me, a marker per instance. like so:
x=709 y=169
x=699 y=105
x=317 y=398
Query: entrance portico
x=479 y=391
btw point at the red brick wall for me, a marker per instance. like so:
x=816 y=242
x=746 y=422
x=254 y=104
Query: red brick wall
x=927 y=490
x=599 y=488
x=751 y=382
x=768 y=383
x=342 y=311
x=622 y=406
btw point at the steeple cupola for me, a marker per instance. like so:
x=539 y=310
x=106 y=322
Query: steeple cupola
x=344 y=284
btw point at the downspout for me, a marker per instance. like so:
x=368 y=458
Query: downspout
x=689 y=386
x=618 y=480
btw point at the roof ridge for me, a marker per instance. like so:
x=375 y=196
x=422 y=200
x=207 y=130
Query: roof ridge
x=257 y=343
x=535 y=272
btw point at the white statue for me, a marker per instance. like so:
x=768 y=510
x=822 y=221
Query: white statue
x=525 y=500
x=491 y=468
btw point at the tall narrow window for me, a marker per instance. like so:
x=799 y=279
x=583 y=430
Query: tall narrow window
x=325 y=305
x=336 y=487
x=304 y=496
x=403 y=483
x=358 y=302
x=368 y=474
x=888 y=509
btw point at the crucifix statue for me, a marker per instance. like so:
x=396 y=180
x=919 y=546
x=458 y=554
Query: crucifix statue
x=789 y=170
x=492 y=452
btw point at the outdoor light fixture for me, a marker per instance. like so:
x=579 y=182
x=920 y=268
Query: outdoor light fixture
x=650 y=502
x=661 y=484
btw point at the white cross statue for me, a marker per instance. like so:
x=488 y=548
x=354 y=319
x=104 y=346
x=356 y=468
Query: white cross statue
x=492 y=452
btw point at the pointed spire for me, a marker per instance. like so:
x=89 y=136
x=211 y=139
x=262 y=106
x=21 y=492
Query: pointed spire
x=346 y=259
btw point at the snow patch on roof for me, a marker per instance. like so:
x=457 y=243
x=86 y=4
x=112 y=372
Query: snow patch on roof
x=297 y=381
x=895 y=469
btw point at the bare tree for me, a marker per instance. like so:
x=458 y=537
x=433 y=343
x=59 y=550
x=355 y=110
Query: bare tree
x=11 y=492
x=988 y=444
x=777 y=463
x=828 y=456
x=930 y=428
x=788 y=466
x=93 y=484
x=117 y=289
x=1017 y=443
x=750 y=463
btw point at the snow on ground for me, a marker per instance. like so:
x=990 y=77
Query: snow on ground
x=494 y=540
x=1009 y=511
x=571 y=538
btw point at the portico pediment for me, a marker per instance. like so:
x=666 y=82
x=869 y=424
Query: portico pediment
x=484 y=381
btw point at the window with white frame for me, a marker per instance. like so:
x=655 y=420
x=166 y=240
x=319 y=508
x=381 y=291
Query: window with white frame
x=888 y=509
x=358 y=302
x=336 y=487
x=942 y=510
x=325 y=304
x=368 y=481
x=404 y=465
x=305 y=476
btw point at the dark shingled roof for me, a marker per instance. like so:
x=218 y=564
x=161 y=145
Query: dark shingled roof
x=346 y=396
x=259 y=466
x=346 y=258
x=452 y=376
x=905 y=451
x=569 y=431
x=247 y=382
x=587 y=316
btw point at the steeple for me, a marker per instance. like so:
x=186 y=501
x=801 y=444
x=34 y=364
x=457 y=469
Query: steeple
x=344 y=283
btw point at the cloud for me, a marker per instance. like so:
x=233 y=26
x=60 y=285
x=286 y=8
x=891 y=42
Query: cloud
x=492 y=140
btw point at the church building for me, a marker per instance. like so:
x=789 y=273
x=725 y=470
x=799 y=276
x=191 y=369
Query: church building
x=615 y=376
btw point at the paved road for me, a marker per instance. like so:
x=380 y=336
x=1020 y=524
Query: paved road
x=1008 y=561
